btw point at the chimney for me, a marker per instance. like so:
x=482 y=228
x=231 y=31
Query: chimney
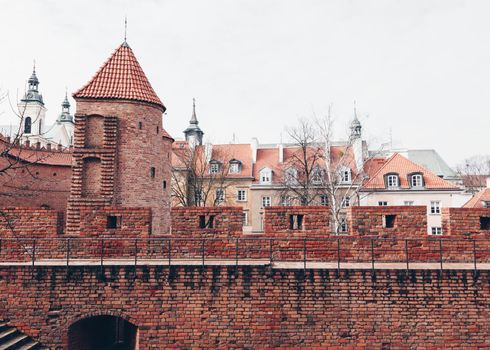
x=38 y=145
x=488 y=182
x=59 y=147
x=281 y=152
x=255 y=145
x=27 y=143
x=48 y=146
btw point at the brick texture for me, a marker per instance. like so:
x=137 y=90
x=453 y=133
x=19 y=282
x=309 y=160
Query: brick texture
x=465 y=222
x=315 y=221
x=255 y=307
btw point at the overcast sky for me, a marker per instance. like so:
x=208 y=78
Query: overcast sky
x=418 y=68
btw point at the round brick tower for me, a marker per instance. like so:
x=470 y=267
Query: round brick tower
x=122 y=153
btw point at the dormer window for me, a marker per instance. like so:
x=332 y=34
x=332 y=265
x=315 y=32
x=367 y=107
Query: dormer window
x=235 y=166
x=291 y=176
x=265 y=176
x=486 y=204
x=416 y=180
x=392 y=181
x=214 y=167
x=345 y=175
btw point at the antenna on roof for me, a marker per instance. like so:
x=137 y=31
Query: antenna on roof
x=125 y=27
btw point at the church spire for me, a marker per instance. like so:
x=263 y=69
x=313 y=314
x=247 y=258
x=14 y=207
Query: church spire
x=32 y=93
x=193 y=133
x=355 y=126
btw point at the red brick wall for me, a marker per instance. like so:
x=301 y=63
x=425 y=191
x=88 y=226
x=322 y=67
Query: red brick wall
x=316 y=220
x=411 y=221
x=35 y=185
x=227 y=222
x=255 y=307
x=127 y=154
x=464 y=221
x=135 y=222
x=30 y=223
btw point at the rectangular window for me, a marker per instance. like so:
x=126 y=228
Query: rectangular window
x=436 y=230
x=214 y=168
x=245 y=218
x=383 y=203
x=392 y=181
x=220 y=195
x=198 y=197
x=285 y=201
x=343 y=225
x=345 y=201
x=296 y=222
x=486 y=204
x=241 y=195
x=266 y=201
x=234 y=168
x=324 y=200
x=417 y=180
x=265 y=177
x=435 y=207
x=409 y=203
x=484 y=223
x=389 y=221
x=114 y=221
x=345 y=176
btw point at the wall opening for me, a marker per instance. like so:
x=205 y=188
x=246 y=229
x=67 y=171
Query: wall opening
x=389 y=221
x=102 y=332
x=114 y=221
x=484 y=223
x=296 y=222
x=206 y=221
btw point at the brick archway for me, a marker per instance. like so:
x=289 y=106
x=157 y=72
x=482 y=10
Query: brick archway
x=103 y=332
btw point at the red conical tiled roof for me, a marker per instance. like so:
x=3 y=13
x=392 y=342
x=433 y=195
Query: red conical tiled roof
x=121 y=78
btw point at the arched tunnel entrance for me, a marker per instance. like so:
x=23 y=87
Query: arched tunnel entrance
x=102 y=333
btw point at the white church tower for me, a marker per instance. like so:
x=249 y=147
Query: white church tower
x=32 y=112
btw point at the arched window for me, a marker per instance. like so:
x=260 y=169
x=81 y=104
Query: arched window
x=235 y=166
x=265 y=176
x=291 y=176
x=27 y=125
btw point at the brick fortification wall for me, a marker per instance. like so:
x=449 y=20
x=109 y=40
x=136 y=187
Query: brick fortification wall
x=227 y=222
x=409 y=221
x=134 y=222
x=30 y=223
x=121 y=158
x=283 y=220
x=255 y=307
x=465 y=222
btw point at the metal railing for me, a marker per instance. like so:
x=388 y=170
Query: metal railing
x=309 y=252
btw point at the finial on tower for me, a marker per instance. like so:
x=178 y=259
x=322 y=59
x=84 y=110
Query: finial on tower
x=355 y=110
x=34 y=66
x=125 y=27
x=194 y=117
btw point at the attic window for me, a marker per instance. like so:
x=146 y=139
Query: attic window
x=416 y=180
x=265 y=176
x=214 y=167
x=235 y=166
x=484 y=223
x=114 y=221
x=392 y=181
x=389 y=221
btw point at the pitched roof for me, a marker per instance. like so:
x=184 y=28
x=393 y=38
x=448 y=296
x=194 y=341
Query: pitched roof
x=477 y=200
x=403 y=167
x=121 y=78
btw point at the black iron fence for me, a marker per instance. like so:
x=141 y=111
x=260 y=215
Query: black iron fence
x=336 y=251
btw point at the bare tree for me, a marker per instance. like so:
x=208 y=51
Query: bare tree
x=199 y=175
x=474 y=171
x=326 y=172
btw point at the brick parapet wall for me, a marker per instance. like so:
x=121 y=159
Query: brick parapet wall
x=464 y=222
x=411 y=221
x=227 y=222
x=22 y=222
x=255 y=307
x=316 y=220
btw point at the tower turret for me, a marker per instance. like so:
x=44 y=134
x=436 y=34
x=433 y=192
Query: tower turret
x=193 y=133
x=122 y=153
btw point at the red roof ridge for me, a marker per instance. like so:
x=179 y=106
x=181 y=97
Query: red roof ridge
x=381 y=168
x=120 y=77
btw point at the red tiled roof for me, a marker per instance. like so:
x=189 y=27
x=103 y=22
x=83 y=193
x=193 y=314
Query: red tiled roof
x=477 y=200
x=42 y=156
x=403 y=167
x=121 y=78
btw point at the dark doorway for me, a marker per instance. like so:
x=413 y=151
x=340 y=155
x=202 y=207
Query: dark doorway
x=102 y=333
